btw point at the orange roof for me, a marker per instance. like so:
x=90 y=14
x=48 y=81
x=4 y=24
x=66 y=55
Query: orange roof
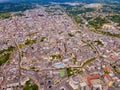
x=112 y=56
x=89 y=78
x=106 y=75
x=107 y=69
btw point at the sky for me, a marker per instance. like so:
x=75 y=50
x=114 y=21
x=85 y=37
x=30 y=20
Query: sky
x=3 y=0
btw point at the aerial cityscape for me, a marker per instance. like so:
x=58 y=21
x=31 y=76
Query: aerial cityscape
x=60 y=45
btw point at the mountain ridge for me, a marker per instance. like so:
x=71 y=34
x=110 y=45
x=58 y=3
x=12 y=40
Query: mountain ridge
x=84 y=1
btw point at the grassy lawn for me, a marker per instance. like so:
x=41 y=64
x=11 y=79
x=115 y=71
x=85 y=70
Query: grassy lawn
x=62 y=73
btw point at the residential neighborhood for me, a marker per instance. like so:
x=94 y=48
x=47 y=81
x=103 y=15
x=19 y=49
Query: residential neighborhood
x=45 y=48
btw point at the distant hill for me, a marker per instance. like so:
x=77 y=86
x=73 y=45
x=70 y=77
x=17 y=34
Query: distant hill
x=21 y=5
x=84 y=1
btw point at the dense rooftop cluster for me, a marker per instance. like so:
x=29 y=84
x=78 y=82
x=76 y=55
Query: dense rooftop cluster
x=45 y=49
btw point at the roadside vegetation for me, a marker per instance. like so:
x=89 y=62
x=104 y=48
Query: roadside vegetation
x=55 y=56
x=81 y=10
x=9 y=49
x=76 y=18
x=20 y=14
x=70 y=34
x=88 y=61
x=4 y=58
x=98 y=42
x=116 y=69
x=106 y=33
x=30 y=41
x=5 y=15
x=74 y=59
x=48 y=10
x=27 y=42
x=42 y=39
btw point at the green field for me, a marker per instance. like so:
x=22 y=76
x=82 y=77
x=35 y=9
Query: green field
x=98 y=22
x=115 y=18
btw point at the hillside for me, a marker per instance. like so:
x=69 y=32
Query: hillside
x=84 y=1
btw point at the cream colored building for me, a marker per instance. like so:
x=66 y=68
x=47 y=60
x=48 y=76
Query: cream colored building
x=74 y=83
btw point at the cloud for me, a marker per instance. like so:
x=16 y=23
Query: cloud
x=4 y=0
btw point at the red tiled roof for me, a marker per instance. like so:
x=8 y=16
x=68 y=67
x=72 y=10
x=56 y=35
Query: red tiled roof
x=89 y=78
